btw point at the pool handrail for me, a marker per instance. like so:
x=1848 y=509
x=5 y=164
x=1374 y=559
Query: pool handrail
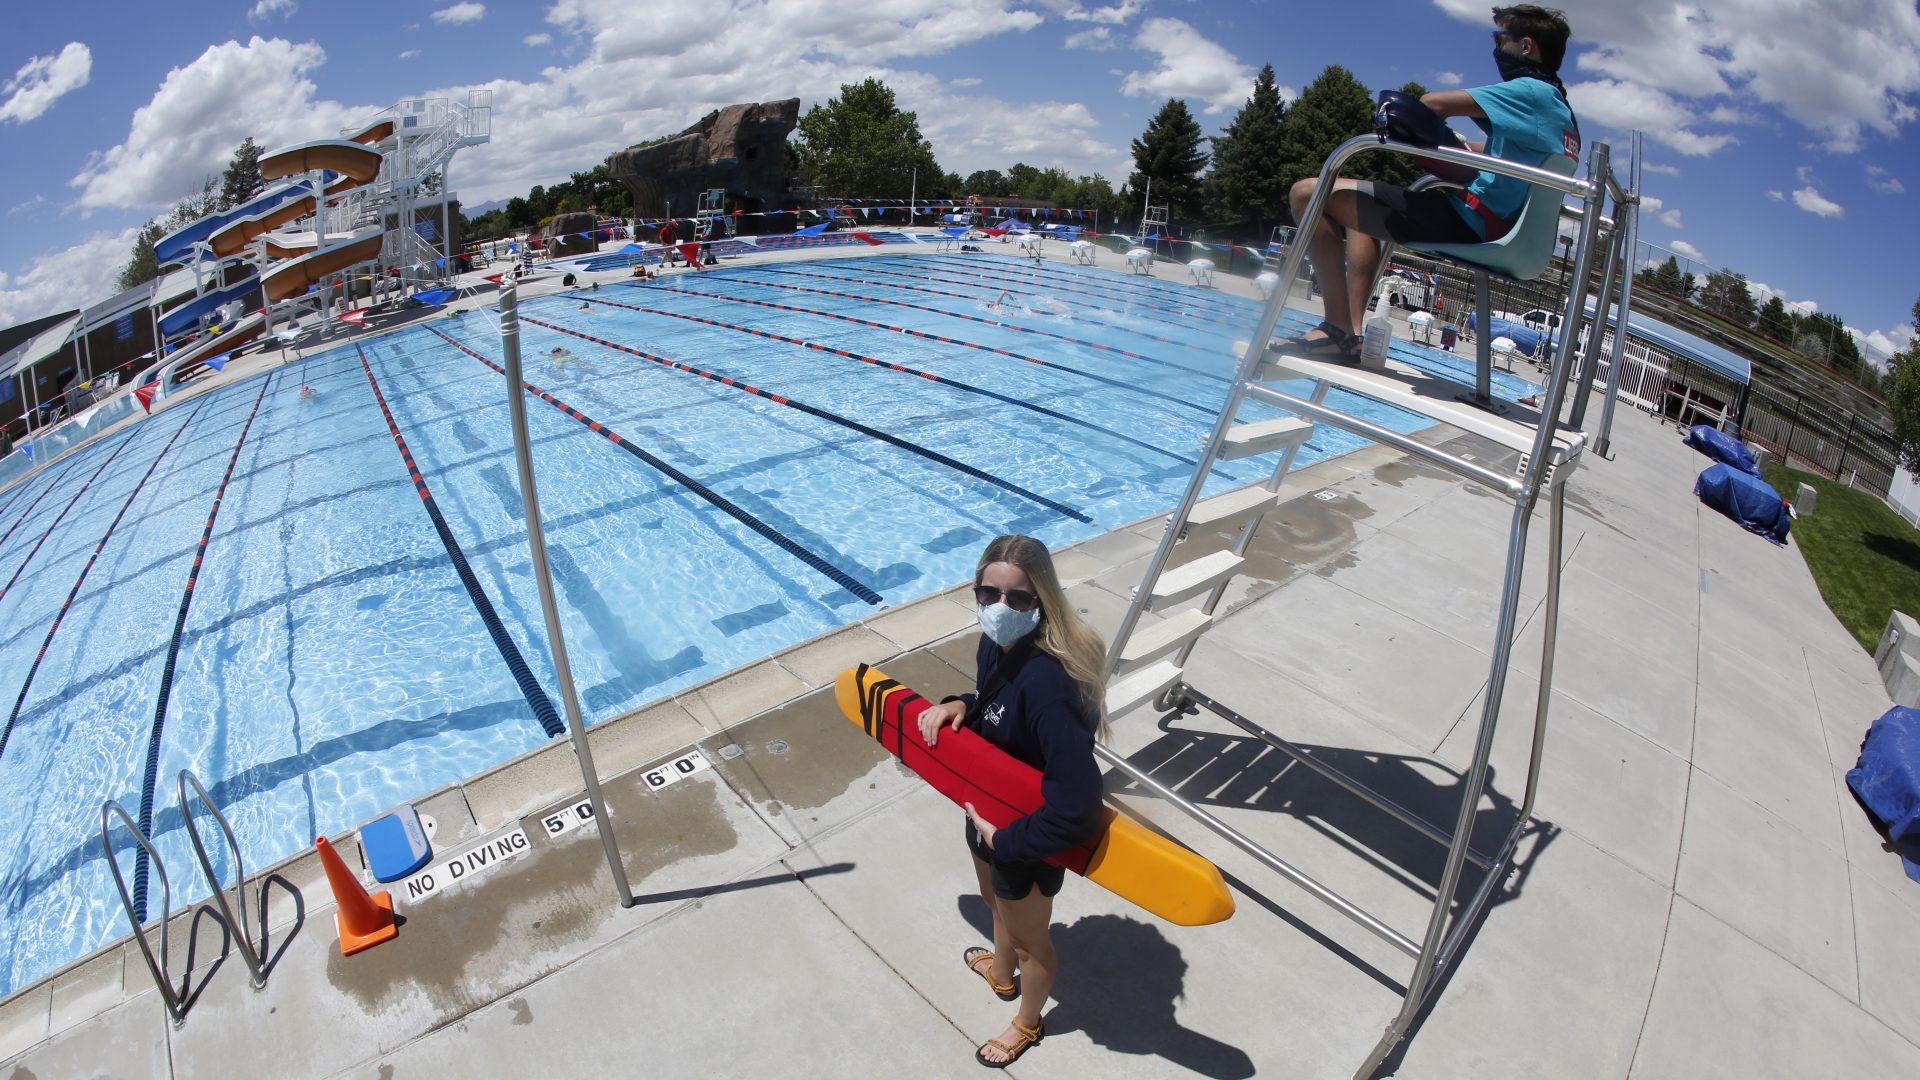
x=255 y=959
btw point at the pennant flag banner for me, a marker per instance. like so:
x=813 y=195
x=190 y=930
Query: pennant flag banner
x=145 y=394
x=495 y=278
x=357 y=317
x=217 y=363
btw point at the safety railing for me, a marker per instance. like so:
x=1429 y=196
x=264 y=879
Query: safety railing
x=176 y=998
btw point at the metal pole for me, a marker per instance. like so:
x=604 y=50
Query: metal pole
x=1631 y=212
x=537 y=544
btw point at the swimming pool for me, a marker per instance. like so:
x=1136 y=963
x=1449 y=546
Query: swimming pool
x=885 y=417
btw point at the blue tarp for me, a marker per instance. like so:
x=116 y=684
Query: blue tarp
x=1887 y=781
x=1524 y=337
x=1746 y=499
x=433 y=297
x=1721 y=446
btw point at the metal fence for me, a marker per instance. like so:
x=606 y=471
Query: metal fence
x=1809 y=433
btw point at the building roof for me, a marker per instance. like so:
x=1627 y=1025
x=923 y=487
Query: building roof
x=1682 y=344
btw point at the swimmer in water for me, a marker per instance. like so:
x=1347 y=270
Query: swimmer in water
x=561 y=357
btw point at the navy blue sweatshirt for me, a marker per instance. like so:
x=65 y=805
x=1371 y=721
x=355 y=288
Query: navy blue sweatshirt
x=1036 y=718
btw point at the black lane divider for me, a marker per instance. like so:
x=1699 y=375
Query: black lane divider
x=1129 y=353
x=63 y=513
x=891 y=366
x=991 y=278
x=942 y=338
x=852 y=425
x=530 y=688
x=1025 y=269
x=66 y=605
x=44 y=492
x=152 y=774
x=719 y=501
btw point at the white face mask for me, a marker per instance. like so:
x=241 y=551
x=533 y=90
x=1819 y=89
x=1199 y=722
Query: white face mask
x=1004 y=626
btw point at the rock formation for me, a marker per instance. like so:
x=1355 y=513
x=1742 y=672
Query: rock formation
x=741 y=148
x=564 y=237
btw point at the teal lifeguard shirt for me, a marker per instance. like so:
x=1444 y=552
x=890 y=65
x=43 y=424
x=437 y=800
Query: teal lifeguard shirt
x=1527 y=122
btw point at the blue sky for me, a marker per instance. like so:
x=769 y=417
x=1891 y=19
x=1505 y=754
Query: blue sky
x=1780 y=134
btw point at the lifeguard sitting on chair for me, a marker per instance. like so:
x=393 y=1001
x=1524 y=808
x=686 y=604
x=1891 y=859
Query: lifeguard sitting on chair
x=1527 y=120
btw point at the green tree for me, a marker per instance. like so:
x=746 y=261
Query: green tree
x=1902 y=386
x=1168 y=155
x=144 y=265
x=1726 y=294
x=1775 y=321
x=1332 y=109
x=987 y=183
x=862 y=144
x=1244 y=186
x=1689 y=286
x=242 y=180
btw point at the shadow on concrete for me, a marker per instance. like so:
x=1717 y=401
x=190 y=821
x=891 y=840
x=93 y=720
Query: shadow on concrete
x=1212 y=769
x=699 y=891
x=1119 y=982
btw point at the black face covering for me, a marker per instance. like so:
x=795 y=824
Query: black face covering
x=1519 y=67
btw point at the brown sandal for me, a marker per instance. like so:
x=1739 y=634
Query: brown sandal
x=1028 y=1037
x=1003 y=991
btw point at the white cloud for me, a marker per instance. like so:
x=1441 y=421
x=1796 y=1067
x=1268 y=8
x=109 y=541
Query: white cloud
x=1449 y=78
x=1118 y=14
x=28 y=206
x=267 y=10
x=202 y=111
x=1663 y=117
x=1884 y=182
x=1098 y=39
x=1688 y=251
x=1777 y=196
x=1663 y=170
x=1762 y=292
x=71 y=278
x=44 y=80
x=409 y=54
x=965 y=80
x=461 y=13
x=1653 y=206
x=1190 y=66
x=1804 y=174
x=1880 y=345
x=1813 y=202
x=537 y=40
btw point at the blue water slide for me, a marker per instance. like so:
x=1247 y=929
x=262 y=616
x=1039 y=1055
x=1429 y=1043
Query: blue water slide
x=189 y=313
x=175 y=246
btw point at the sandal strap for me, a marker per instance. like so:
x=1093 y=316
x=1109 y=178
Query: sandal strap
x=978 y=954
x=1030 y=1034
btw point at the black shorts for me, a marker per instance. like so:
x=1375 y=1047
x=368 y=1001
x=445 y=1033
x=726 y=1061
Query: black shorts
x=1014 y=880
x=1410 y=217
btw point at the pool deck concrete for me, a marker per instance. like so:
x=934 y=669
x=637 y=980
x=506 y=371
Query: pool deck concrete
x=1699 y=896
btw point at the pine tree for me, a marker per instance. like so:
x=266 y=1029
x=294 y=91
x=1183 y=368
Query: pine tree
x=1332 y=109
x=242 y=180
x=1244 y=185
x=1775 y=322
x=1726 y=293
x=862 y=144
x=144 y=265
x=1168 y=153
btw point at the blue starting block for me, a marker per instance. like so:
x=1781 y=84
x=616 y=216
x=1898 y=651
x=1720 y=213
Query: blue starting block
x=396 y=845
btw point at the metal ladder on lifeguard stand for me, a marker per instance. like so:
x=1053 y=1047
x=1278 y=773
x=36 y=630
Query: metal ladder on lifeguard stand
x=1146 y=664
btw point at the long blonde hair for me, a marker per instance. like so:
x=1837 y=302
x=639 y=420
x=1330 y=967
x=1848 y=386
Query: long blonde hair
x=1062 y=634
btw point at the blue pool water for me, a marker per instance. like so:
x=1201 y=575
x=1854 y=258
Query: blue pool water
x=332 y=663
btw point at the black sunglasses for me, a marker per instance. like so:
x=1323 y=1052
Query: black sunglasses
x=1017 y=599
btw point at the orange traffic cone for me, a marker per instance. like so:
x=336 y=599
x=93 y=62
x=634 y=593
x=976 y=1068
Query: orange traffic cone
x=363 y=921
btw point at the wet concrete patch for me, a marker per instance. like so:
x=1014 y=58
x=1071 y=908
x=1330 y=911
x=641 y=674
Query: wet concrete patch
x=805 y=767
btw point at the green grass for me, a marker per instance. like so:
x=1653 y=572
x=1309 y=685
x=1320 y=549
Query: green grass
x=1865 y=557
